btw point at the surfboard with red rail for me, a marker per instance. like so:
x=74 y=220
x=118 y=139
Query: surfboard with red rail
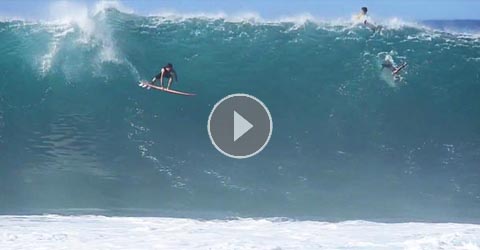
x=399 y=68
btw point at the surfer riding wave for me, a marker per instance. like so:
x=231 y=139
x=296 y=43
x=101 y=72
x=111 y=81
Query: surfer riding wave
x=166 y=72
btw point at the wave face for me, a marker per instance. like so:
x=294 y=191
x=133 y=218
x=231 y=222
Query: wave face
x=349 y=142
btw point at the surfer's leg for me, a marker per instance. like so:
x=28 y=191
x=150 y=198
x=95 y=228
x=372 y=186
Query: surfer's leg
x=161 y=82
x=154 y=80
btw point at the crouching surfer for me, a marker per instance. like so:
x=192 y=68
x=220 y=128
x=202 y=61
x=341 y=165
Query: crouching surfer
x=166 y=72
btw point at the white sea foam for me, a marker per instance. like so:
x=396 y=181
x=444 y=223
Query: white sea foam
x=397 y=23
x=295 y=18
x=101 y=6
x=175 y=16
x=66 y=17
x=71 y=13
x=58 y=34
x=68 y=10
x=98 y=232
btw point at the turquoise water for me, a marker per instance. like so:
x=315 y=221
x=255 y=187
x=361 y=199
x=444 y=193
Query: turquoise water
x=349 y=142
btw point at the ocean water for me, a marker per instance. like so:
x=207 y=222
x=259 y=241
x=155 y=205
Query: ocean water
x=350 y=144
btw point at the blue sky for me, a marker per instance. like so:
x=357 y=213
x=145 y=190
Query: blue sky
x=405 y=9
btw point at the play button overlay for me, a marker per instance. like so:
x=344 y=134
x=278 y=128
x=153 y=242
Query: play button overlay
x=240 y=126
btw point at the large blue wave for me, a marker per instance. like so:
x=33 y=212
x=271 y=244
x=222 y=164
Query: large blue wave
x=349 y=141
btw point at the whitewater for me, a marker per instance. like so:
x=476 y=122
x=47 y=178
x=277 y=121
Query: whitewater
x=358 y=159
x=97 y=232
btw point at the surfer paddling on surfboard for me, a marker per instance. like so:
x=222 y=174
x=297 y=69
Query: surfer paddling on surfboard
x=166 y=72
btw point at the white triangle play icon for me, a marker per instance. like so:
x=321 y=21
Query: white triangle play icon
x=240 y=126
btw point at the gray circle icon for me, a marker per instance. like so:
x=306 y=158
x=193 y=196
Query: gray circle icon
x=240 y=126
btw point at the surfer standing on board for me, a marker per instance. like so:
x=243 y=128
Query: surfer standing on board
x=363 y=15
x=365 y=19
x=166 y=72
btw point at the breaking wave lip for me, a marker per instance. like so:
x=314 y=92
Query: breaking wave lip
x=296 y=18
x=61 y=13
x=69 y=17
x=301 y=19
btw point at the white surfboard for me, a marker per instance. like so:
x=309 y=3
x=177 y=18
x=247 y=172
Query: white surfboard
x=144 y=84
